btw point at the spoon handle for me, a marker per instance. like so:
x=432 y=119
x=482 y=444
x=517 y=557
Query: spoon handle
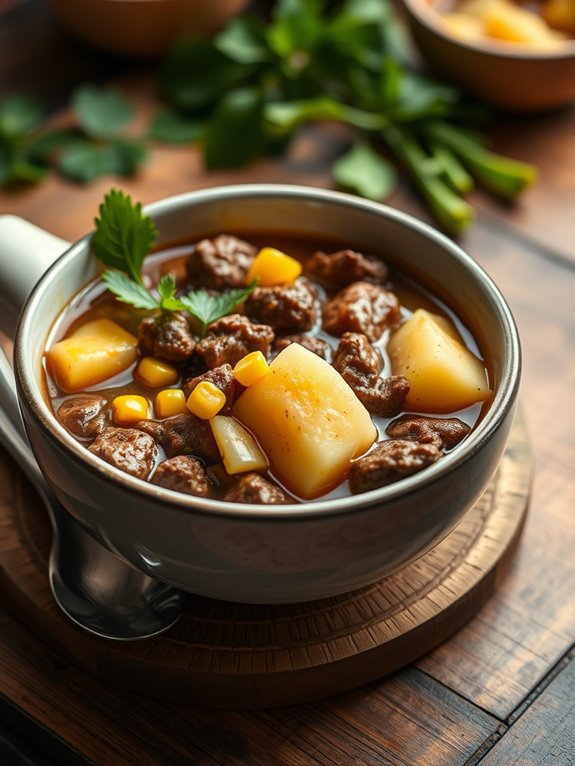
x=92 y=586
x=12 y=433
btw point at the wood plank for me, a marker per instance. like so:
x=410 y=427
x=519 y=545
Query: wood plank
x=425 y=723
x=222 y=655
x=544 y=212
x=514 y=641
x=545 y=733
x=540 y=293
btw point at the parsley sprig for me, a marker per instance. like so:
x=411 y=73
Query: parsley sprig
x=123 y=238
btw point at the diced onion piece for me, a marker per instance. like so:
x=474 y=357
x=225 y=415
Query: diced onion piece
x=96 y=351
x=156 y=373
x=307 y=419
x=206 y=400
x=238 y=448
x=272 y=267
x=250 y=368
x=129 y=409
x=443 y=374
x=170 y=402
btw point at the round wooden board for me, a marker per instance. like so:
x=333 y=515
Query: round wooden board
x=242 y=656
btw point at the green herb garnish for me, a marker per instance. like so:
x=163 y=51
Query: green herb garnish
x=208 y=308
x=123 y=238
x=255 y=83
x=19 y=118
x=96 y=145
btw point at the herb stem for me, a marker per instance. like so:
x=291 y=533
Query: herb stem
x=452 y=212
x=500 y=175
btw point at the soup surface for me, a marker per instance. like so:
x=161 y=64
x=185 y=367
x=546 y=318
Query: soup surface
x=336 y=380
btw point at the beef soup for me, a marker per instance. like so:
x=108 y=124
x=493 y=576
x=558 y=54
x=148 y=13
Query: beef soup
x=335 y=376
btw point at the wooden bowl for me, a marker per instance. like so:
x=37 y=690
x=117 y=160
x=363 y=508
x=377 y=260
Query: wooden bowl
x=142 y=28
x=510 y=76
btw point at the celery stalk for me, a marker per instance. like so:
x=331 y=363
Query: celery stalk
x=500 y=175
x=452 y=212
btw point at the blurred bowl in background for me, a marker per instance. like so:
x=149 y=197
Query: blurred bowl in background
x=514 y=77
x=142 y=28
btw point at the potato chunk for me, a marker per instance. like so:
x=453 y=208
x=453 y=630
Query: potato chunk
x=308 y=421
x=510 y=23
x=96 y=351
x=443 y=374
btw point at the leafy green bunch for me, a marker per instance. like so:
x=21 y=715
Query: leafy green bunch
x=95 y=145
x=123 y=238
x=247 y=91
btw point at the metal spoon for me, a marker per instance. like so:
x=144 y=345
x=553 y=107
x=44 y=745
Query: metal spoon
x=95 y=588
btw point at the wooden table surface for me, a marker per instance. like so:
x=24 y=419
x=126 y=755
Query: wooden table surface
x=501 y=692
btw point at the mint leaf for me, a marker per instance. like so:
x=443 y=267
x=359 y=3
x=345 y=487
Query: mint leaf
x=234 y=133
x=297 y=27
x=124 y=236
x=83 y=161
x=173 y=127
x=128 y=291
x=208 y=308
x=18 y=115
x=5 y=162
x=42 y=147
x=101 y=112
x=364 y=171
x=196 y=75
x=244 y=40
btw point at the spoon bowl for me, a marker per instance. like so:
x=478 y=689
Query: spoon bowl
x=94 y=588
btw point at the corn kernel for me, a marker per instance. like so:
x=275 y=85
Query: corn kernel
x=155 y=373
x=206 y=400
x=250 y=368
x=170 y=402
x=272 y=267
x=130 y=408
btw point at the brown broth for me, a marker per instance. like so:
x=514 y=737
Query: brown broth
x=94 y=302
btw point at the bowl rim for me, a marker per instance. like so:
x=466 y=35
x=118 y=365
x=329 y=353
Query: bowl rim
x=427 y=16
x=503 y=401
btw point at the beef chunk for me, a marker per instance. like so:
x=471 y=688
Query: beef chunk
x=360 y=366
x=126 y=448
x=231 y=338
x=385 y=397
x=167 y=336
x=344 y=267
x=253 y=488
x=183 y=473
x=84 y=416
x=221 y=262
x=361 y=307
x=356 y=358
x=183 y=435
x=444 y=433
x=388 y=461
x=284 y=307
x=317 y=345
x=221 y=377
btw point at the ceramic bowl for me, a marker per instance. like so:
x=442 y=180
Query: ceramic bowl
x=513 y=77
x=276 y=554
x=142 y=28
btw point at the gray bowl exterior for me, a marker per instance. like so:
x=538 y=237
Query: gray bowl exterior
x=262 y=554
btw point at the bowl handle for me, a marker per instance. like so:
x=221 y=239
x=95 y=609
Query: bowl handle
x=26 y=252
